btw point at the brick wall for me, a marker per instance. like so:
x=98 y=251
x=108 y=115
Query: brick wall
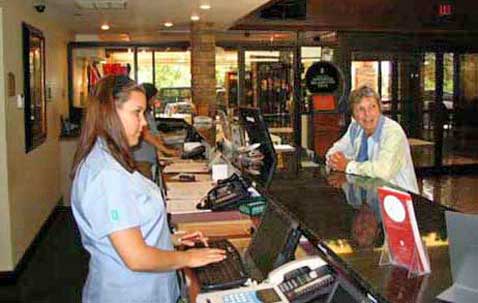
x=203 y=69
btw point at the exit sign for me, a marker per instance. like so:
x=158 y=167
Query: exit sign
x=445 y=9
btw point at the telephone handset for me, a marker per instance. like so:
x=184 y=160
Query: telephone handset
x=303 y=280
x=227 y=194
x=297 y=281
x=294 y=268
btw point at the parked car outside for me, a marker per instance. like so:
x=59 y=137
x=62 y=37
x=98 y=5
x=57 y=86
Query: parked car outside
x=181 y=110
x=167 y=95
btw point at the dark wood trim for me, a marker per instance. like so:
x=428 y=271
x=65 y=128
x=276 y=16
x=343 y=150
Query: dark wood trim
x=447 y=170
x=379 y=82
x=35 y=124
x=153 y=53
x=297 y=99
x=11 y=277
x=75 y=113
x=300 y=25
x=395 y=94
x=180 y=45
x=135 y=63
x=437 y=121
x=264 y=45
x=456 y=81
x=241 y=79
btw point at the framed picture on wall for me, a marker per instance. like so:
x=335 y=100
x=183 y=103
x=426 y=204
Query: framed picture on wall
x=34 y=87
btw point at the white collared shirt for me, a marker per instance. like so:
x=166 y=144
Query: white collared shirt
x=388 y=152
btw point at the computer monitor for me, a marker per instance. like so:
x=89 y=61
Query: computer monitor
x=463 y=249
x=225 y=125
x=237 y=134
x=253 y=123
x=273 y=243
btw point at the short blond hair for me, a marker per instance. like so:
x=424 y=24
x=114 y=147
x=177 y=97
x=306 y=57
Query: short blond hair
x=358 y=94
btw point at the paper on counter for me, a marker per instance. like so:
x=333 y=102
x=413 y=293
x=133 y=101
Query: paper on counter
x=182 y=197
x=284 y=148
x=178 y=206
x=219 y=172
x=197 y=177
x=186 y=167
x=188 y=190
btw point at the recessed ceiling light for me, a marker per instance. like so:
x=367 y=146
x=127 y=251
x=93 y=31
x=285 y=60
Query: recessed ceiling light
x=105 y=26
x=195 y=18
x=168 y=24
x=205 y=6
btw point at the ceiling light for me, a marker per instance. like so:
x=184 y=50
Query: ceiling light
x=168 y=24
x=195 y=18
x=205 y=6
x=105 y=27
x=101 y=4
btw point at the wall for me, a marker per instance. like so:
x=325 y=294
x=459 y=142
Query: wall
x=33 y=179
x=5 y=235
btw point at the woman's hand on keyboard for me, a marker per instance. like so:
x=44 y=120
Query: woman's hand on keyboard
x=198 y=257
x=190 y=239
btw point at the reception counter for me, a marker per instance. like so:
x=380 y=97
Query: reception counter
x=340 y=215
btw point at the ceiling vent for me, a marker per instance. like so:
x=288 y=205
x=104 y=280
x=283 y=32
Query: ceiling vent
x=101 y=4
x=285 y=9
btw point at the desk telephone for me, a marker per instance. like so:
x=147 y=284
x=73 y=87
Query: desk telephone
x=195 y=153
x=297 y=281
x=227 y=194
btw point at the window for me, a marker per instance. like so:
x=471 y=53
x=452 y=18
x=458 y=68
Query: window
x=226 y=78
x=145 y=66
x=172 y=69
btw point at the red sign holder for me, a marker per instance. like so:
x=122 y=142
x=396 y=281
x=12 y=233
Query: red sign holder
x=403 y=245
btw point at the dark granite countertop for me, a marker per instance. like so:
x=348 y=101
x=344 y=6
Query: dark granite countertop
x=349 y=232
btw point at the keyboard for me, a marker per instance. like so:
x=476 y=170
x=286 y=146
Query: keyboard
x=228 y=273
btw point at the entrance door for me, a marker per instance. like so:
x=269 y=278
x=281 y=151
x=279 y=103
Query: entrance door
x=271 y=90
x=378 y=72
x=397 y=77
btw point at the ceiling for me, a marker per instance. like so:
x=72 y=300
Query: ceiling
x=146 y=17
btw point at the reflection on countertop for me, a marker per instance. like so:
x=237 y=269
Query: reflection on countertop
x=457 y=191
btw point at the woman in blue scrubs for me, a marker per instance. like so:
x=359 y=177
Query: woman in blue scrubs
x=120 y=213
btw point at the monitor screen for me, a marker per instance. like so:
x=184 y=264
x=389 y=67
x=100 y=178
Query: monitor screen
x=253 y=123
x=273 y=243
x=225 y=125
x=463 y=257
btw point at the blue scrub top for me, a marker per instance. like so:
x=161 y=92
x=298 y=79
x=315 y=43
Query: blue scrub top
x=145 y=151
x=107 y=198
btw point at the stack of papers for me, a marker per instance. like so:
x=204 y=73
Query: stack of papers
x=183 y=197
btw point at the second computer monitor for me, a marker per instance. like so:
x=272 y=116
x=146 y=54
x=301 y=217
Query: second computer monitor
x=253 y=123
x=273 y=243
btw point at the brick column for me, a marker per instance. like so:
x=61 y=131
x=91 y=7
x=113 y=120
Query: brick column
x=203 y=68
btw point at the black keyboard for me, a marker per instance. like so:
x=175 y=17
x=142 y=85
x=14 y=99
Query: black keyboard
x=226 y=274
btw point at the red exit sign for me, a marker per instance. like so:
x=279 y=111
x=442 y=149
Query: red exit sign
x=445 y=9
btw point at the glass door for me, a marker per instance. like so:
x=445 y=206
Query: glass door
x=463 y=122
x=449 y=107
x=378 y=75
x=398 y=77
x=271 y=89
